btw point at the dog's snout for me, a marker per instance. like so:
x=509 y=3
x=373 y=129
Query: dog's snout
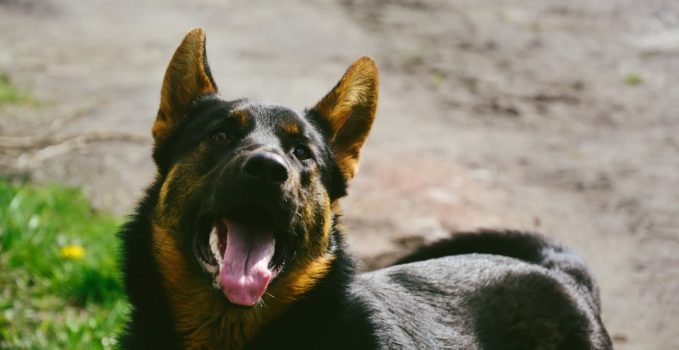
x=267 y=167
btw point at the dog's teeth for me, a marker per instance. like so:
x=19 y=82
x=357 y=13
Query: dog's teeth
x=207 y=266
x=214 y=245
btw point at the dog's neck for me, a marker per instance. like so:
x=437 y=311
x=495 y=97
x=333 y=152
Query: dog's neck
x=201 y=315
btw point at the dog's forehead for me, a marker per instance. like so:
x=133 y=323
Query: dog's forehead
x=252 y=117
x=269 y=115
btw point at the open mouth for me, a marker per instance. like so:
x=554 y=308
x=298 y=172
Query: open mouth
x=242 y=254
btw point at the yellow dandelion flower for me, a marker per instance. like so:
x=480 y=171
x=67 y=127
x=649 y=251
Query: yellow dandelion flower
x=73 y=251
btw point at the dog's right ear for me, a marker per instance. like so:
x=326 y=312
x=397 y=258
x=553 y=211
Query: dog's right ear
x=186 y=78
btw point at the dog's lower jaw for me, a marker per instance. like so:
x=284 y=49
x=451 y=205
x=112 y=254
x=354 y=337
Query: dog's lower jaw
x=203 y=318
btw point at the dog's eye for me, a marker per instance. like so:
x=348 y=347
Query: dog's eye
x=302 y=152
x=221 y=137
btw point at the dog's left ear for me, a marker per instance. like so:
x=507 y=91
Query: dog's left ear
x=187 y=77
x=349 y=110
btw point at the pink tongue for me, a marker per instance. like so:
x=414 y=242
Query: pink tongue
x=244 y=274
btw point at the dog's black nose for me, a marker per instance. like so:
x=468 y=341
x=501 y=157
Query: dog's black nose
x=266 y=166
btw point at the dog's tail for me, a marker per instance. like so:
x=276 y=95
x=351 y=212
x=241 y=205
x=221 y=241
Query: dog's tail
x=528 y=247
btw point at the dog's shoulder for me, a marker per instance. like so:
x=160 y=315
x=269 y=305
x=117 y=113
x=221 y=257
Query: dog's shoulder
x=456 y=293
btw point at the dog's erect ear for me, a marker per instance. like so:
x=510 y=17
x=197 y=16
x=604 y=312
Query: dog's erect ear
x=186 y=78
x=349 y=111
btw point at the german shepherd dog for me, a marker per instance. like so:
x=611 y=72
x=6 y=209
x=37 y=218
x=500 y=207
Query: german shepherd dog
x=236 y=245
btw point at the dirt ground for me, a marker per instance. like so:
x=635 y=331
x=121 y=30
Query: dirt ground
x=555 y=116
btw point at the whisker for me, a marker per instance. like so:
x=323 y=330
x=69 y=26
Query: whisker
x=261 y=303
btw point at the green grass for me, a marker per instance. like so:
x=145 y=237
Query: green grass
x=60 y=286
x=9 y=94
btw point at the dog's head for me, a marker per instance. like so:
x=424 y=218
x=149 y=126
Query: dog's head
x=248 y=189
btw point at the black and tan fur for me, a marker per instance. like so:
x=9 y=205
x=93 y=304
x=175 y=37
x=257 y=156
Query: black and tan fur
x=488 y=290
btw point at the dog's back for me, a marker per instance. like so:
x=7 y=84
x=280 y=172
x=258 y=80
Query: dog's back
x=486 y=290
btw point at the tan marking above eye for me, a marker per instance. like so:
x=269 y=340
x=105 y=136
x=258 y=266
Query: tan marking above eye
x=289 y=128
x=241 y=116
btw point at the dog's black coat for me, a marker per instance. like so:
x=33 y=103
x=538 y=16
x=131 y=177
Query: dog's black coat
x=151 y=323
x=537 y=296
x=482 y=290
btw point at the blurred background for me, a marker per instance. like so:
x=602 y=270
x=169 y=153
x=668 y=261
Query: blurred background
x=560 y=117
